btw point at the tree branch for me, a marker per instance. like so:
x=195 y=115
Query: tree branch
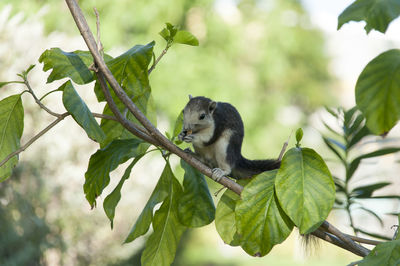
x=32 y=140
x=153 y=131
x=26 y=82
x=156 y=138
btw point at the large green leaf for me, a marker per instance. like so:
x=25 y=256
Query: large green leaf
x=383 y=254
x=305 y=188
x=356 y=162
x=196 y=207
x=63 y=64
x=185 y=37
x=378 y=92
x=261 y=222
x=115 y=130
x=130 y=70
x=160 y=192
x=11 y=127
x=80 y=112
x=376 y=13
x=161 y=245
x=225 y=221
x=105 y=160
x=111 y=201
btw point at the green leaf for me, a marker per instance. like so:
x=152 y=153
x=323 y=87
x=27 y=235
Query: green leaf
x=332 y=111
x=11 y=128
x=165 y=34
x=260 y=220
x=81 y=113
x=387 y=253
x=333 y=149
x=105 y=160
x=185 y=37
x=337 y=143
x=130 y=70
x=378 y=92
x=376 y=13
x=356 y=162
x=160 y=192
x=299 y=135
x=305 y=188
x=178 y=125
x=373 y=214
x=225 y=222
x=196 y=207
x=63 y=64
x=366 y=191
x=364 y=131
x=161 y=245
x=111 y=201
x=372 y=234
x=4 y=83
x=114 y=130
x=26 y=72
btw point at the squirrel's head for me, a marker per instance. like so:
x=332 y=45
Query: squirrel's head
x=198 y=114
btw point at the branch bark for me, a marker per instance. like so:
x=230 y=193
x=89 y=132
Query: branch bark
x=152 y=135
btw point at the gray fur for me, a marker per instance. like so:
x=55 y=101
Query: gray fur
x=216 y=131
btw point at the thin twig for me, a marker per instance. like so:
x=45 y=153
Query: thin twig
x=99 y=44
x=285 y=145
x=108 y=117
x=26 y=82
x=364 y=240
x=157 y=60
x=32 y=140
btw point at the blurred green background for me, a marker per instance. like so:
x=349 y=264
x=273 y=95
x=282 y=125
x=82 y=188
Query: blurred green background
x=264 y=57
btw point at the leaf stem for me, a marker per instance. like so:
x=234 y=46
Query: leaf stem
x=158 y=59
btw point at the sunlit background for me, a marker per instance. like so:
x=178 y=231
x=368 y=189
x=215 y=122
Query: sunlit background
x=278 y=62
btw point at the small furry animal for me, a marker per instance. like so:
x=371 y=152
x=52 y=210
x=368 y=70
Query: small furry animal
x=216 y=131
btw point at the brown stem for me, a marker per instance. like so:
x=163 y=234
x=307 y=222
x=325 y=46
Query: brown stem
x=38 y=101
x=333 y=230
x=157 y=60
x=32 y=140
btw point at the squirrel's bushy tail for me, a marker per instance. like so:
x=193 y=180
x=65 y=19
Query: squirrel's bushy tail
x=245 y=168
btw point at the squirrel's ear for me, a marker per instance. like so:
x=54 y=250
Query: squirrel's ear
x=190 y=97
x=212 y=106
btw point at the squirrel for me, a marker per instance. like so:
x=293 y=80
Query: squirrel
x=216 y=132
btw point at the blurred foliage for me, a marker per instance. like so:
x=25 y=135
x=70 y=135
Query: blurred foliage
x=346 y=141
x=258 y=55
x=25 y=234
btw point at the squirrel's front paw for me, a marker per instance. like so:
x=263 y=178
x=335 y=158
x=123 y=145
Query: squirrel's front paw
x=188 y=138
x=183 y=136
x=218 y=173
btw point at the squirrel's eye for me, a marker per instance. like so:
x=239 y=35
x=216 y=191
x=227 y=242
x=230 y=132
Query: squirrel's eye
x=202 y=116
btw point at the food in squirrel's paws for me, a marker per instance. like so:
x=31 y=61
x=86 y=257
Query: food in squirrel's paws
x=189 y=132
